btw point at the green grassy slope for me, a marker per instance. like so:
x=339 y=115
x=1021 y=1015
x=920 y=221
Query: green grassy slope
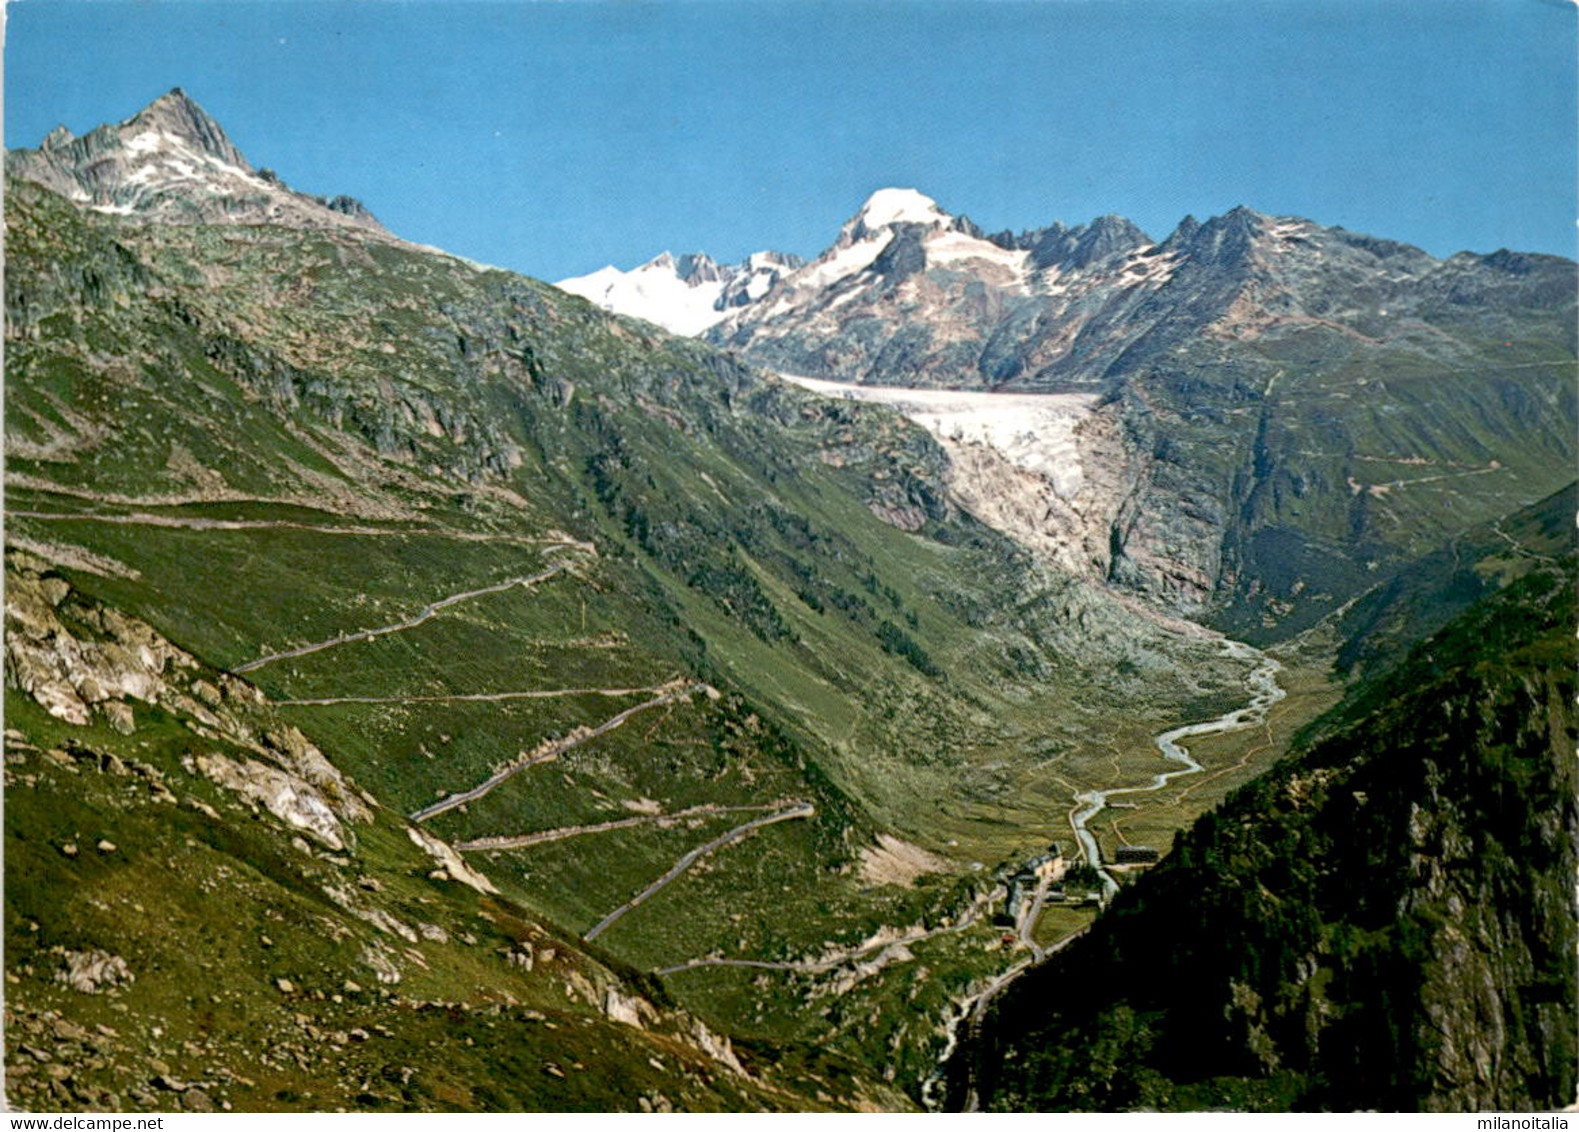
x=249 y=962
x=256 y=440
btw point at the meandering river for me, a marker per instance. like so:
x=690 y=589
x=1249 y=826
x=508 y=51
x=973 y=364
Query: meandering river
x=1264 y=692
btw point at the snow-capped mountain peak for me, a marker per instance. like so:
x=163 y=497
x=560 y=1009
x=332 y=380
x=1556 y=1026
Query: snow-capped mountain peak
x=685 y=294
x=887 y=207
x=175 y=121
x=900 y=206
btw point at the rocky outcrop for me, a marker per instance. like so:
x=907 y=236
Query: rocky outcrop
x=283 y=795
x=74 y=676
x=451 y=865
x=90 y=972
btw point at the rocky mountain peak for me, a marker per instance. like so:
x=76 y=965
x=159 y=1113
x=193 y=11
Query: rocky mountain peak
x=1183 y=234
x=171 y=161
x=1227 y=238
x=1106 y=236
x=761 y=261
x=177 y=115
x=697 y=268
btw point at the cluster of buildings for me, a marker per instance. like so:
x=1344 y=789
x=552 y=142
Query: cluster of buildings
x=1051 y=867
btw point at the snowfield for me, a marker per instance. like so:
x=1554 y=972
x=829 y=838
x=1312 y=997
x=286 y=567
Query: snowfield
x=654 y=292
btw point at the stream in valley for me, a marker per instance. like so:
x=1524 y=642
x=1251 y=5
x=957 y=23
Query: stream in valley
x=1261 y=682
x=1264 y=692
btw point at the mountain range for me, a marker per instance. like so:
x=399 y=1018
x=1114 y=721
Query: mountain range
x=1340 y=395
x=427 y=688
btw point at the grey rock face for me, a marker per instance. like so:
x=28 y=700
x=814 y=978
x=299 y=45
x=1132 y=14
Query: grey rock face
x=176 y=115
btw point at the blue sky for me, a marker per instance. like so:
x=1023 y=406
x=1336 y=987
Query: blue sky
x=553 y=138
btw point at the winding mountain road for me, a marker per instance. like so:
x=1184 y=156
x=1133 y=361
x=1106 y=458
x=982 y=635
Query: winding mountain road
x=472 y=697
x=428 y=613
x=550 y=751
x=192 y=523
x=831 y=960
x=800 y=810
x=522 y=840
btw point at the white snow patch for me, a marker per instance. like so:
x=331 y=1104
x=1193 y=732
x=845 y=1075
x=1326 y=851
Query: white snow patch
x=150 y=141
x=652 y=291
x=656 y=292
x=854 y=292
x=840 y=263
x=760 y=283
x=1284 y=229
x=959 y=247
x=1153 y=269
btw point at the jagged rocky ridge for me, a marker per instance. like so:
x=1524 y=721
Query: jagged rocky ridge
x=1286 y=413
x=912 y=295
x=173 y=163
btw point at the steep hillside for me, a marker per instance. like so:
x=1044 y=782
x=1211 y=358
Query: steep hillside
x=1399 y=896
x=1377 y=630
x=204 y=913
x=694 y=667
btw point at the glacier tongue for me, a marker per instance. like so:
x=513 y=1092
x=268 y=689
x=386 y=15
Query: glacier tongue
x=1033 y=431
x=1044 y=468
